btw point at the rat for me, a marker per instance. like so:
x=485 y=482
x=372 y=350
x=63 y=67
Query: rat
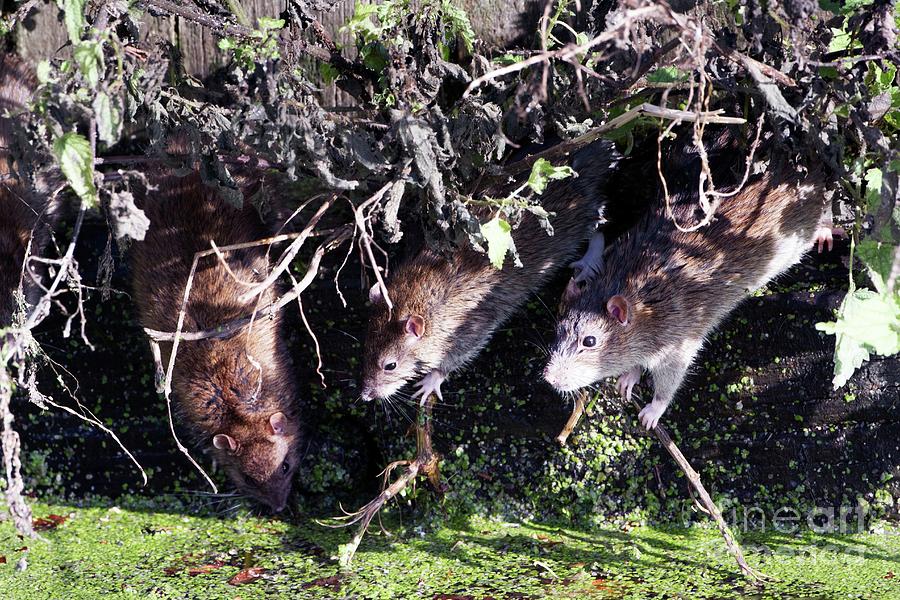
x=26 y=218
x=446 y=309
x=664 y=290
x=238 y=393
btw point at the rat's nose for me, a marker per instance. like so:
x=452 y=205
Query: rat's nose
x=366 y=395
x=548 y=376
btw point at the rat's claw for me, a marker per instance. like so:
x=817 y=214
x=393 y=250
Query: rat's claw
x=627 y=381
x=825 y=237
x=430 y=384
x=650 y=415
x=584 y=270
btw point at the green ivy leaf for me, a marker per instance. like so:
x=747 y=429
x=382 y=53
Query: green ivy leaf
x=879 y=258
x=270 y=24
x=873 y=189
x=89 y=56
x=543 y=172
x=867 y=323
x=667 y=75
x=328 y=73
x=74 y=18
x=498 y=234
x=76 y=161
x=108 y=117
x=43 y=71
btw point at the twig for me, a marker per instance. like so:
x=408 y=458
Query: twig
x=569 y=50
x=223 y=27
x=289 y=254
x=310 y=332
x=227 y=329
x=577 y=411
x=427 y=462
x=705 y=501
x=365 y=239
x=645 y=109
x=18 y=508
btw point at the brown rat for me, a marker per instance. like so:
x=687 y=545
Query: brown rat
x=665 y=290
x=445 y=310
x=26 y=218
x=238 y=394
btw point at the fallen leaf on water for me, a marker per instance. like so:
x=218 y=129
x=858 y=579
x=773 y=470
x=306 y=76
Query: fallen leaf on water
x=2 y=560
x=51 y=522
x=203 y=569
x=247 y=576
x=601 y=585
x=333 y=582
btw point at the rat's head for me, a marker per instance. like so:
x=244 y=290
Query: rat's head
x=390 y=359
x=260 y=456
x=592 y=338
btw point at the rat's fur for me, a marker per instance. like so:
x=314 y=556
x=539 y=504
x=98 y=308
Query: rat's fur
x=230 y=391
x=25 y=217
x=461 y=301
x=672 y=288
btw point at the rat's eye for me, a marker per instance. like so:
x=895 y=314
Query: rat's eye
x=285 y=467
x=390 y=366
x=589 y=342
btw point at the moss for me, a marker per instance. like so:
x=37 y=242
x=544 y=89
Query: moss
x=148 y=549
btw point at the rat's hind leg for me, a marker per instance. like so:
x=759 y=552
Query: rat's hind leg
x=628 y=380
x=667 y=378
x=591 y=263
x=430 y=384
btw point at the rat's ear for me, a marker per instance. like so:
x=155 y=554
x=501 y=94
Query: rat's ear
x=415 y=326
x=573 y=289
x=617 y=307
x=375 y=294
x=278 y=423
x=224 y=442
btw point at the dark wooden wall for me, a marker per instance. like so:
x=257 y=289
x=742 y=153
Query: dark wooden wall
x=498 y=23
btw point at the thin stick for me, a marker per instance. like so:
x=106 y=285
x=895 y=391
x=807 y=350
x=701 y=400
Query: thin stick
x=577 y=411
x=365 y=240
x=705 y=501
x=227 y=329
x=289 y=254
x=645 y=109
x=570 y=50
x=427 y=462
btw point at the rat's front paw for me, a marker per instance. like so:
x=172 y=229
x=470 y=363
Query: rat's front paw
x=825 y=237
x=650 y=414
x=584 y=270
x=627 y=381
x=430 y=384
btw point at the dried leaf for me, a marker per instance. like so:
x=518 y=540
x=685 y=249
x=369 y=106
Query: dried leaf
x=108 y=117
x=204 y=569
x=247 y=576
x=51 y=522
x=333 y=582
x=128 y=220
